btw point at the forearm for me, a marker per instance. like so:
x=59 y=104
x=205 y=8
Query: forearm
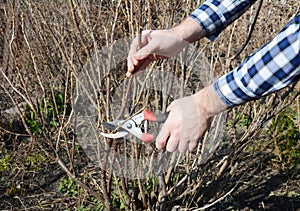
x=213 y=16
x=271 y=68
x=189 y=30
x=210 y=19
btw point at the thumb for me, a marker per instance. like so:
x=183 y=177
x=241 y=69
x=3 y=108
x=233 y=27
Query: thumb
x=138 y=61
x=144 y=52
x=162 y=137
x=171 y=106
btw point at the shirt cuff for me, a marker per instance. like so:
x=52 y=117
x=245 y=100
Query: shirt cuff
x=221 y=96
x=211 y=20
x=215 y=15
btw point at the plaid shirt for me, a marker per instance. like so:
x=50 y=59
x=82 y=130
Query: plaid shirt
x=272 y=67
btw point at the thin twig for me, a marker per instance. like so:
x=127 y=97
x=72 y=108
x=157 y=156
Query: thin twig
x=222 y=197
x=249 y=33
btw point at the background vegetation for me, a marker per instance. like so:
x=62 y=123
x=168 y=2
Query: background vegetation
x=45 y=45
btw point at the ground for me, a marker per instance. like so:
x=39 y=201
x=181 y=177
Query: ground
x=34 y=186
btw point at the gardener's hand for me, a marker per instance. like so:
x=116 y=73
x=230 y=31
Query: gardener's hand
x=154 y=45
x=188 y=120
x=161 y=44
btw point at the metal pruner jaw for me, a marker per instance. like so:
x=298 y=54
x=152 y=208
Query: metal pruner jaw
x=139 y=118
x=117 y=135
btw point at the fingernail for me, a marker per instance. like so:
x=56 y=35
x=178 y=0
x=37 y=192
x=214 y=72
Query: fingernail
x=128 y=74
x=135 y=62
x=159 y=145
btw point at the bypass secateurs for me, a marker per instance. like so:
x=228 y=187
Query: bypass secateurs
x=137 y=126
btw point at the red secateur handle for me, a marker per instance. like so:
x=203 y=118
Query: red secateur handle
x=159 y=118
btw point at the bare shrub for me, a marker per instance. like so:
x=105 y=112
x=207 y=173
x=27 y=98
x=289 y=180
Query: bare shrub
x=59 y=55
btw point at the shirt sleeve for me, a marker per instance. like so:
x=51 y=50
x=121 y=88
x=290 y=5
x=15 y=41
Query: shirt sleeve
x=215 y=15
x=272 y=67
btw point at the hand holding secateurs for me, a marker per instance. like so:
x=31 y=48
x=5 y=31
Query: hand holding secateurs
x=137 y=126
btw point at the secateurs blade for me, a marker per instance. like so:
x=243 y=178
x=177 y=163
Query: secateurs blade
x=137 y=126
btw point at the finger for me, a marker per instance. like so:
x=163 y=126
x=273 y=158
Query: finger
x=130 y=66
x=183 y=145
x=193 y=145
x=142 y=65
x=131 y=60
x=139 y=61
x=134 y=48
x=128 y=74
x=144 y=52
x=172 y=143
x=162 y=137
x=139 y=41
x=171 y=106
x=133 y=67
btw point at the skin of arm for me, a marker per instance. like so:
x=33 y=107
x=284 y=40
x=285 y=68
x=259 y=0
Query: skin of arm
x=206 y=21
x=161 y=44
x=189 y=30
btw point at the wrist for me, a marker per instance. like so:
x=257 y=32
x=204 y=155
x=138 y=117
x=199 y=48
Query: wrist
x=189 y=30
x=207 y=99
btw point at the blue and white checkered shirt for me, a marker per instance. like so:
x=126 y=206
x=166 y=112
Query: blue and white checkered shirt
x=272 y=67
